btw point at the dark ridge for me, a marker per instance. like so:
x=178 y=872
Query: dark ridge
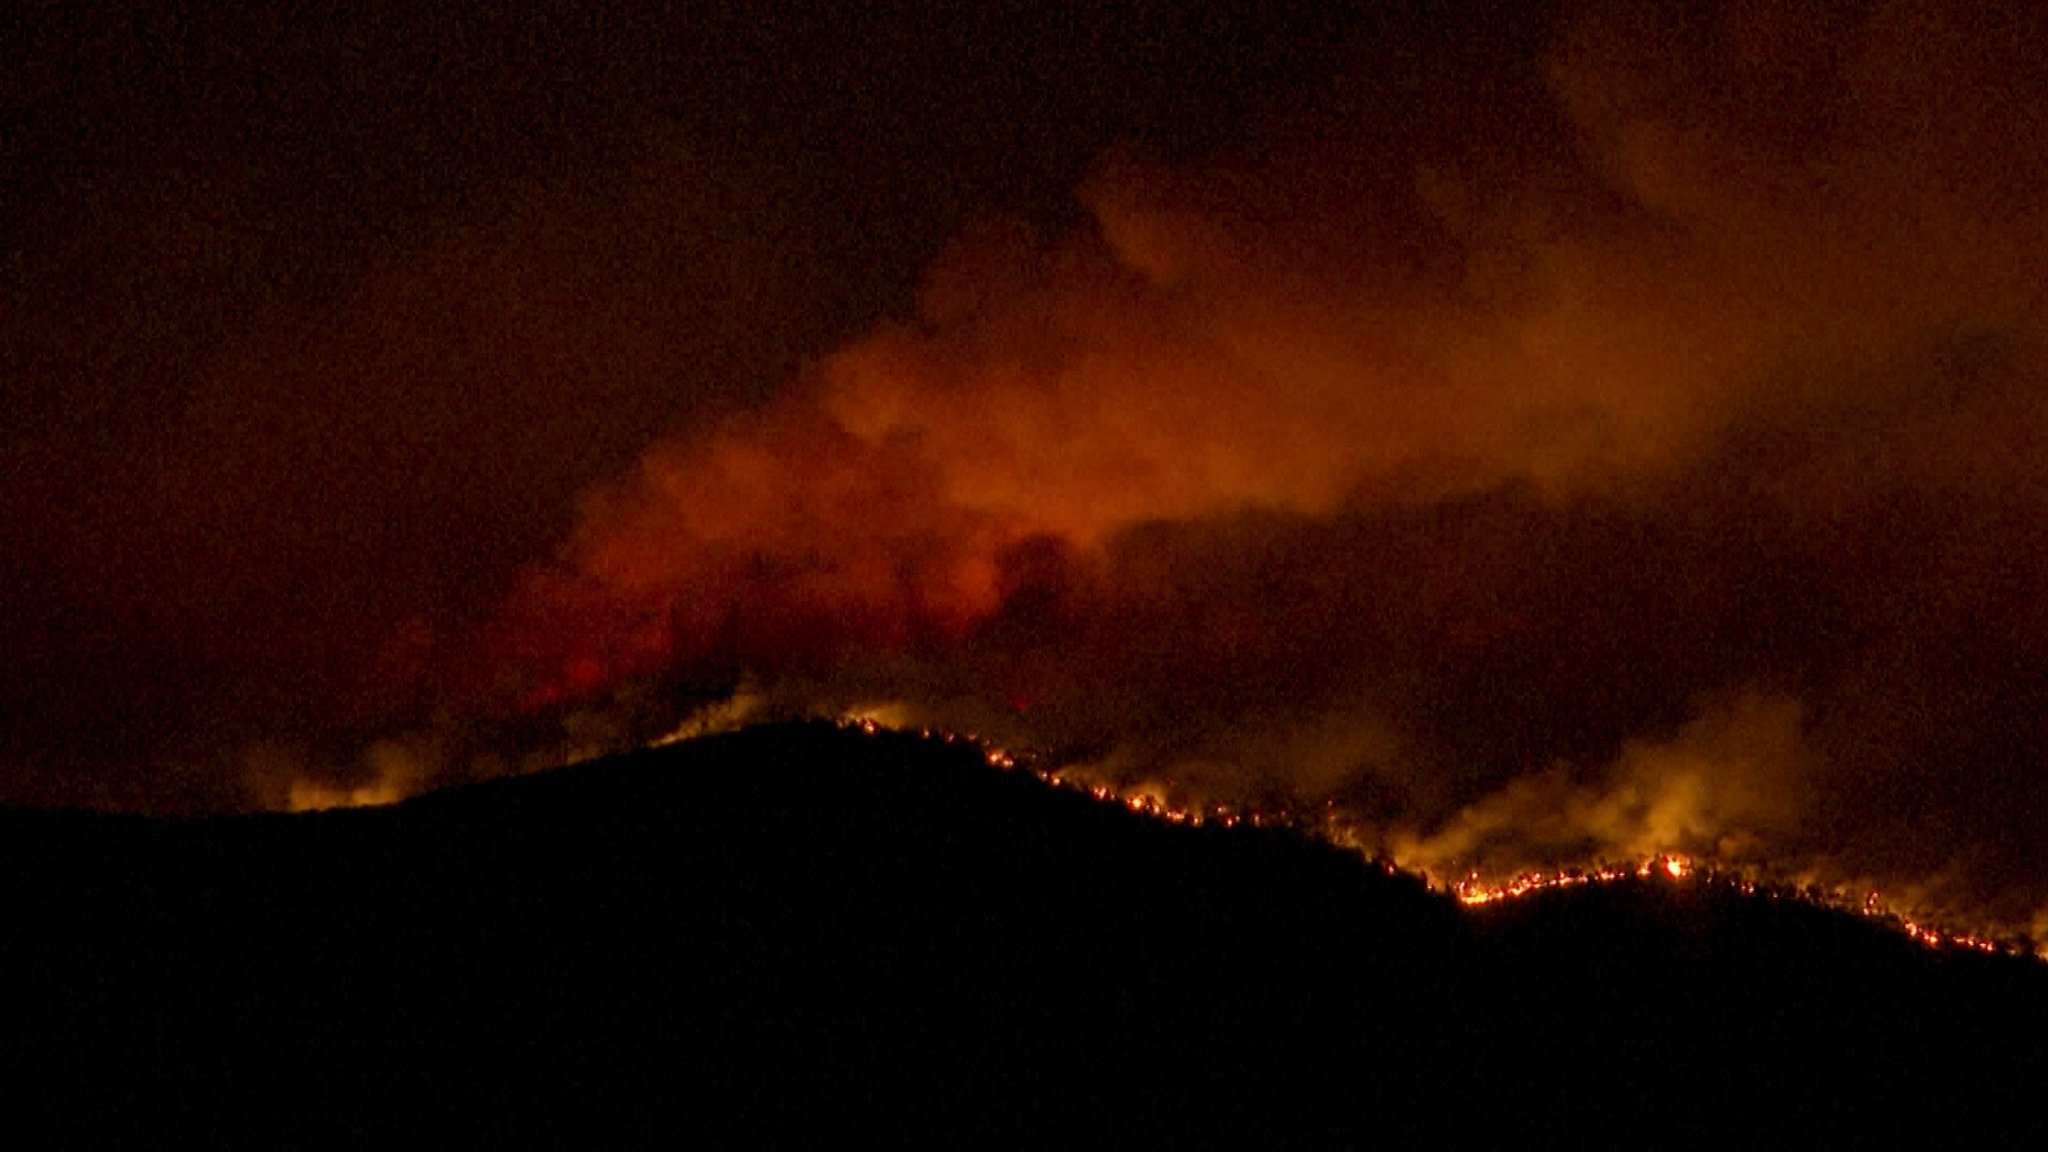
x=804 y=935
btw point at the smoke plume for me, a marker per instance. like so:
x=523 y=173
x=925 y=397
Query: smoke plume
x=1626 y=440
x=1653 y=464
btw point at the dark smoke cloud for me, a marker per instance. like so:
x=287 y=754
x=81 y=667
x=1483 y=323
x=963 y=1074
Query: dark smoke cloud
x=1666 y=479
x=1547 y=453
x=332 y=479
x=313 y=322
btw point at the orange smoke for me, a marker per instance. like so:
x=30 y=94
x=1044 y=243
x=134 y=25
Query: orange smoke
x=777 y=537
x=1290 y=329
x=1656 y=470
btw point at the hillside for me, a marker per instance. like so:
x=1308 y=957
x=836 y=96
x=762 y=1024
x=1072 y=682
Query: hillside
x=805 y=934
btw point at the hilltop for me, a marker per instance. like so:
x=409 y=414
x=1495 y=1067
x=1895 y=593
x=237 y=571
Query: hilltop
x=805 y=934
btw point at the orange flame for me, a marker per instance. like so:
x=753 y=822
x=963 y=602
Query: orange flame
x=1471 y=890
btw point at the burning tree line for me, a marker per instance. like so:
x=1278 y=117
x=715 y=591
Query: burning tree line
x=1471 y=887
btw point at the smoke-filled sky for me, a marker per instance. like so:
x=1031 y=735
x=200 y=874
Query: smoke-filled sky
x=1553 y=430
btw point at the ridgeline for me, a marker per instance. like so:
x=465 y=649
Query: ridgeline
x=808 y=935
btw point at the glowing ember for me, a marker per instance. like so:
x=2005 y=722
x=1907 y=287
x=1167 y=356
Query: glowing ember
x=1472 y=890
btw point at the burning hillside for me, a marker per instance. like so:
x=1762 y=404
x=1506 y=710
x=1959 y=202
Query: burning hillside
x=1629 y=482
x=1473 y=889
x=828 y=934
x=1613 y=439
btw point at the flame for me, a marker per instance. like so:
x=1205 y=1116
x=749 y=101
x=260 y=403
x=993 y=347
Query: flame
x=1473 y=891
x=389 y=771
x=1155 y=799
x=308 y=795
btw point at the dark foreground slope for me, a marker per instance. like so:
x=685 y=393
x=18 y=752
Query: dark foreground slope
x=804 y=935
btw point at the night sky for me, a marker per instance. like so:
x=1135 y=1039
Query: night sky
x=1552 y=431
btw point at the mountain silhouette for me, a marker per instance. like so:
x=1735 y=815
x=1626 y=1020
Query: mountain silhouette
x=807 y=935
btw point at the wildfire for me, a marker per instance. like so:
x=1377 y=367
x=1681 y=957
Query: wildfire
x=1471 y=890
x=311 y=796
